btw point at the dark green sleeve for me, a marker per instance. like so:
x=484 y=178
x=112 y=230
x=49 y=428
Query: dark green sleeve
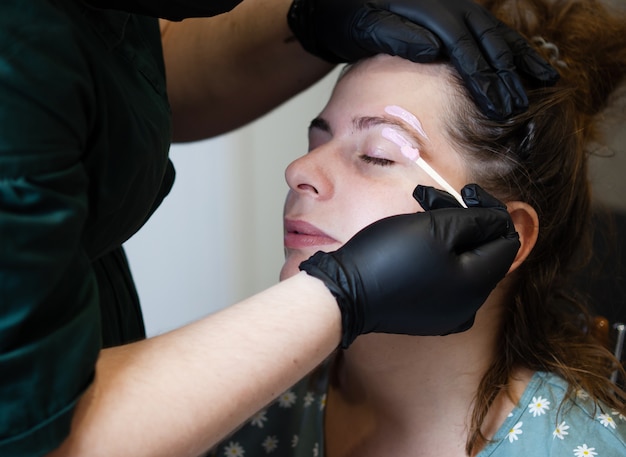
x=49 y=317
x=174 y=10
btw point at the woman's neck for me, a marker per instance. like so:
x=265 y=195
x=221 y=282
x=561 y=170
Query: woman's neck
x=402 y=373
x=414 y=393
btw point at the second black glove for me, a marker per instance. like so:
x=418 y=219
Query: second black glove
x=489 y=56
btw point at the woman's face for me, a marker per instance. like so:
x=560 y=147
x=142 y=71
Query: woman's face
x=355 y=172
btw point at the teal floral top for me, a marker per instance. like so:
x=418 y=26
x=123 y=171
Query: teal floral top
x=293 y=426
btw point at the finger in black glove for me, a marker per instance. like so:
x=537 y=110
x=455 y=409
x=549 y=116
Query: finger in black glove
x=489 y=56
x=424 y=273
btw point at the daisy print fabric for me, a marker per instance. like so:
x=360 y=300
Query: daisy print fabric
x=579 y=429
x=292 y=426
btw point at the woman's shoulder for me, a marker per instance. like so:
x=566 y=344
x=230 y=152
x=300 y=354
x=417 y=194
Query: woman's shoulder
x=548 y=421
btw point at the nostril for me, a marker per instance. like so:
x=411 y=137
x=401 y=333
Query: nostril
x=308 y=188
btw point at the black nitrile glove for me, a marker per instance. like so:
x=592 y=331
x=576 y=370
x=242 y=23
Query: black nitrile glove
x=489 y=56
x=424 y=273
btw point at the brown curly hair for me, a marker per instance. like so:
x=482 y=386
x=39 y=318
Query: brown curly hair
x=540 y=157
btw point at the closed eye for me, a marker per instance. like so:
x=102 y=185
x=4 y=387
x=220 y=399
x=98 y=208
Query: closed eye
x=376 y=160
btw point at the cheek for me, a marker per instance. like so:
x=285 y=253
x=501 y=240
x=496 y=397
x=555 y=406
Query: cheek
x=360 y=205
x=381 y=204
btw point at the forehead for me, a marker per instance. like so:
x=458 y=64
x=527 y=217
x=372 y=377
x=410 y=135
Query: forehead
x=372 y=84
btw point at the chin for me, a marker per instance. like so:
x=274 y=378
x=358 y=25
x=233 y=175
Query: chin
x=289 y=269
x=293 y=259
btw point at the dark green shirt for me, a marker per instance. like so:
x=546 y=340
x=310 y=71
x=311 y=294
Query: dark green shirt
x=84 y=139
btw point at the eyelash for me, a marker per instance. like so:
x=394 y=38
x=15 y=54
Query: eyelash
x=376 y=161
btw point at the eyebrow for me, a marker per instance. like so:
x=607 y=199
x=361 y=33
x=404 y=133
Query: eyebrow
x=366 y=122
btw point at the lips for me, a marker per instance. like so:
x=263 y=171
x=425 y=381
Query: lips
x=300 y=234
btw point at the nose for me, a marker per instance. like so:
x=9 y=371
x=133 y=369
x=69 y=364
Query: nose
x=311 y=174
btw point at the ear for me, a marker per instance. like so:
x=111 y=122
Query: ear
x=526 y=224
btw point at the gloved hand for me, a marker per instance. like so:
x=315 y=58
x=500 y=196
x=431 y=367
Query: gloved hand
x=424 y=273
x=485 y=52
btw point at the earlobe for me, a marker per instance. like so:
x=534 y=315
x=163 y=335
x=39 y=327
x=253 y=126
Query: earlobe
x=526 y=223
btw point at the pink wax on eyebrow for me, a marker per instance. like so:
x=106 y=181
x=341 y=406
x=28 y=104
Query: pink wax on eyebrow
x=407 y=117
x=412 y=153
x=405 y=145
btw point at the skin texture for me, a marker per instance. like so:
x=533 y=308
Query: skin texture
x=371 y=178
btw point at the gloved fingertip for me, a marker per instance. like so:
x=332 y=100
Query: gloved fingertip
x=549 y=77
x=419 y=194
x=513 y=236
x=492 y=101
x=539 y=69
x=470 y=195
x=430 y=198
x=475 y=196
x=484 y=85
x=515 y=90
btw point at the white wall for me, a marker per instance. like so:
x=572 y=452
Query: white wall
x=607 y=165
x=217 y=238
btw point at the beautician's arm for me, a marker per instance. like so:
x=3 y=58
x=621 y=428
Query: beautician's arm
x=179 y=393
x=227 y=70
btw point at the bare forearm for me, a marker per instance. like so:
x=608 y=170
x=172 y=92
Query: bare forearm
x=228 y=70
x=179 y=393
